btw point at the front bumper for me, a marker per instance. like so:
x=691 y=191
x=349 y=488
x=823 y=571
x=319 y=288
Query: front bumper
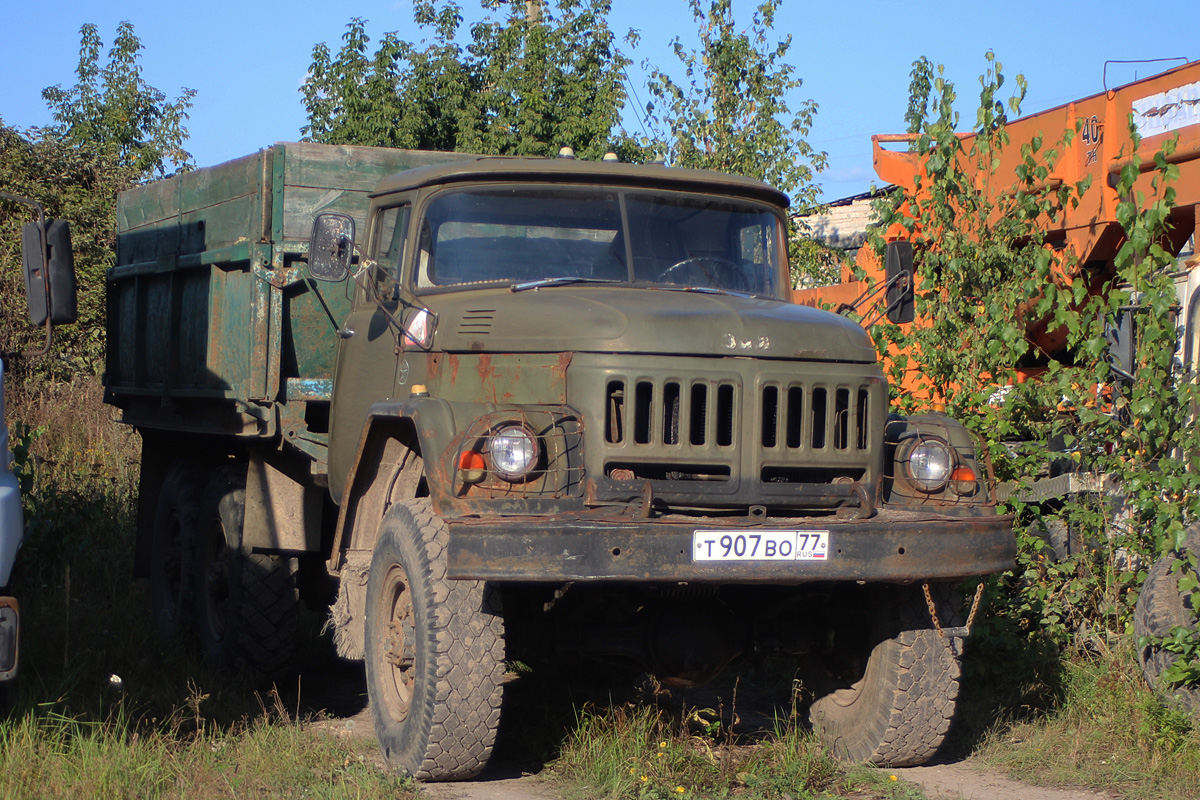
x=892 y=546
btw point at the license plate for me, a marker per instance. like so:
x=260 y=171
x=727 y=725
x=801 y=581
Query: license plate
x=760 y=545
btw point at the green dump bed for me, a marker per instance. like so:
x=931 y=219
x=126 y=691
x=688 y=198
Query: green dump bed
x=208 y=307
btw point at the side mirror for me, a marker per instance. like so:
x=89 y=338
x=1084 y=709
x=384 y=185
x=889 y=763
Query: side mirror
x=49 y=266
x=420 y=327
x=331 y=247
x=898 y=266
x=1120 y=333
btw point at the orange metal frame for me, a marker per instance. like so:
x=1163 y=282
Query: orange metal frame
x=1163 y=106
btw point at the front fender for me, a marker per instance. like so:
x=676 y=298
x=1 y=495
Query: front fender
x=393 y=438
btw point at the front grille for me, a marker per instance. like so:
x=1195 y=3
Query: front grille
x=704 y=433
x=792 y=416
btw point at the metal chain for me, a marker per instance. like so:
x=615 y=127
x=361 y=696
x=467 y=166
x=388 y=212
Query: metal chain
x=974 y=606
x=933 y=615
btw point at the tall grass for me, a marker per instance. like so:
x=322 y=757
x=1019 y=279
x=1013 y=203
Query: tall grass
x=1109 y=731
x=106 y=709
x=54 y=756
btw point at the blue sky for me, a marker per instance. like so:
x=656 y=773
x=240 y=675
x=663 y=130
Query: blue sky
x=246 y=60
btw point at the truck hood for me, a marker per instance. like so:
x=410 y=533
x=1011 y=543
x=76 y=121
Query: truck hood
x=640 y=320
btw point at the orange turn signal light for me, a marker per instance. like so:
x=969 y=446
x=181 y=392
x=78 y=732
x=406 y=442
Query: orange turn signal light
x=471 y=466
x=964 y=480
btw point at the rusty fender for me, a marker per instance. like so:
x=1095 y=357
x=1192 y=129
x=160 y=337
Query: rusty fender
x=422 y=416
x=892 y=546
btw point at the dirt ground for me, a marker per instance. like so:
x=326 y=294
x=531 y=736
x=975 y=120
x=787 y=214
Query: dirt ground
x=963 y=781
x=958 y=781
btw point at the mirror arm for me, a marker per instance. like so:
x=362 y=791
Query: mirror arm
x=402 y=296
x=854 y=305
x=342 y=333
x=904 y=277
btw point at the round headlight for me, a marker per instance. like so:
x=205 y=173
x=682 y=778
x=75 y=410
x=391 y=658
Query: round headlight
x=513 y=452
x=929 y=464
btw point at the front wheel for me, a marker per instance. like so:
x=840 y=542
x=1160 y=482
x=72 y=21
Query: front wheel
x=894 y=706
x=434 y=652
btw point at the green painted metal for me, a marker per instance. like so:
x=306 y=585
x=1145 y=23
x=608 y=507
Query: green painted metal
x=208 y=300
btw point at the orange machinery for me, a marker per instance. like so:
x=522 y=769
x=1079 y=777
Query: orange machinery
x=1163 y=106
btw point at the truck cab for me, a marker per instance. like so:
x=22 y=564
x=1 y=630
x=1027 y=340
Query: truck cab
x=592 y=394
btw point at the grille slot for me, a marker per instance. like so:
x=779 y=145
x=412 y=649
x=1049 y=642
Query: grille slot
x=699 y=416
x=819 y=397
x=795 y=417
x=863 y=405
x=841 y=419
x=770 y=416
x=643 y=412
x=614 y=417
x=725 y=414
x=672 y=408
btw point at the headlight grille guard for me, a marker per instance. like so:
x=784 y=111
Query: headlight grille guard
x=970 y=476
x=558 y=472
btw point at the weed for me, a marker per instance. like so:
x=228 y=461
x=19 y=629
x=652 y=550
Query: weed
x=643 y=752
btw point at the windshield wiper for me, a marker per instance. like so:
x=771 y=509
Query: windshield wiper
x=705 y=290
x=560 y=281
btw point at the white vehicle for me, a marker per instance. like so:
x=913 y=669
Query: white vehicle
x=12 y=531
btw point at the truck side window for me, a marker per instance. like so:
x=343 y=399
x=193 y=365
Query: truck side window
x=391 y=229
x=757 y=247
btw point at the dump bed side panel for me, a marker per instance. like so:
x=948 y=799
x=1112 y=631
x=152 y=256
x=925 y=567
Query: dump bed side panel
x=207 y=298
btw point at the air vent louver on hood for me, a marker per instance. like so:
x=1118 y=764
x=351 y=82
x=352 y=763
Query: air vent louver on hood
x=476 y=322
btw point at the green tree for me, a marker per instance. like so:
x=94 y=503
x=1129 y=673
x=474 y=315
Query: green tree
x=731 y=114
x=985 y=277
x=731 y=111
x=114 y=113
x=534 y=77
x=112 y=130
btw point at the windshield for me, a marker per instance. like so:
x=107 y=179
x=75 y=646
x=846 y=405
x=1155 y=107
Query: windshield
x=524 y=235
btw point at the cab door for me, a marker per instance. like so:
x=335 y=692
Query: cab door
x=368 y=362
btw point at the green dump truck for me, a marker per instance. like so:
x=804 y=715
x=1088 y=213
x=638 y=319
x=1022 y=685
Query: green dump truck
x=497 y=409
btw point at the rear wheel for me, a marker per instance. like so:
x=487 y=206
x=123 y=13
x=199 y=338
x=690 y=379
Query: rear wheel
x=247 y=604
x=434 y=652
x=894 y=708
x=1161 y=607
x=176 y=518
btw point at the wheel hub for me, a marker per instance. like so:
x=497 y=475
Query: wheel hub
x=398 y=647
